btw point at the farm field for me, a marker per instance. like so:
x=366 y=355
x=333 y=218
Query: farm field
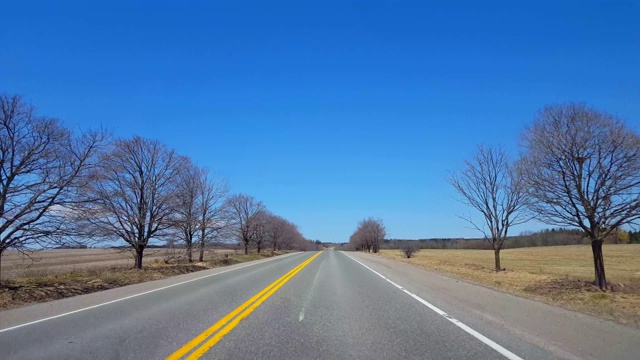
x=52 y=262
x=560 y=275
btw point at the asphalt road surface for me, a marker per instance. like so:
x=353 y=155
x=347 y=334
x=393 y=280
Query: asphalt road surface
x=313 y=305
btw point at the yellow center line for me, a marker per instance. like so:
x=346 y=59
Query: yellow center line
x=256 y=300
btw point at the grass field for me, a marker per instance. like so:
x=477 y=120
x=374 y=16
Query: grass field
x=559 y=275
x=64 y=273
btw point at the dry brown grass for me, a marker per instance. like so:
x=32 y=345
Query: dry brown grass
x=50 y=262
x=58 y=284
x=560 y=275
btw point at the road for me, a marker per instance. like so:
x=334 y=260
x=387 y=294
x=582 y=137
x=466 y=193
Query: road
x=314 y=305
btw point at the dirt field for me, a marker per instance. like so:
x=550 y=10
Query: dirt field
x=50 y=262
x=559 y=275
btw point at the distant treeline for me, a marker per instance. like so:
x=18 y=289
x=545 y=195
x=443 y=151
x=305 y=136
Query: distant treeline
x=634 y=237
x=71 y=246
x=547 y=237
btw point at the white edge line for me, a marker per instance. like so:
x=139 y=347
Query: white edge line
x=492 y=344
x=142 y=293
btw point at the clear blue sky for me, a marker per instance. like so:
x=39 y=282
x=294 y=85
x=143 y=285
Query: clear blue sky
x=328 y=111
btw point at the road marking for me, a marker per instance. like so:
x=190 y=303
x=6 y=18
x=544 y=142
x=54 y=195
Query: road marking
x=142 y=293
x=232 y=319
x=310 y=293
x=492 y=344
x=208 y=332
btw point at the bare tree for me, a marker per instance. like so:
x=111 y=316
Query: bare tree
x=582 y=168
x=300 y=243
x=278 y=227
x=199 y=214
x=374 y=232
x=41 y=167
x=276 y=232
x=185 y=215
x=133 y=193
x=489 y=184
x=213 y=217
x=286 y=235
x=359 y=240
x=260 y=228
x=241 y=209
x=283 y=233
x=409 y=248
x=368 y=235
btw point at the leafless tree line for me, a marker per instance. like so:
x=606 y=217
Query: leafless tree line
x=368 y=236
x=57 y=186
x=253 y=224
x=579 y=168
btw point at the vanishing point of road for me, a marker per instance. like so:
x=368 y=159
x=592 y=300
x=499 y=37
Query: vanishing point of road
x=311 y=305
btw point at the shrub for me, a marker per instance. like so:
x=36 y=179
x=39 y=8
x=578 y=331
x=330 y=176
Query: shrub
x=409 y=248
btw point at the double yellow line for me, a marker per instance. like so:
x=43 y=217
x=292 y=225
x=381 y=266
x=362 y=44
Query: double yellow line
x=232 y=319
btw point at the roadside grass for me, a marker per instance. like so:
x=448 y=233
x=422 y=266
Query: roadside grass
x=559 y=275
x=24 y=290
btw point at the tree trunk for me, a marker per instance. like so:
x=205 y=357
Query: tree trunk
x=497 y=258
x=246 y=247
x=189 y=246
x=258 y=248
x=139 y=257
x=201 y=255
x=598 y=264
x=1 y=253
x=202 y=239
